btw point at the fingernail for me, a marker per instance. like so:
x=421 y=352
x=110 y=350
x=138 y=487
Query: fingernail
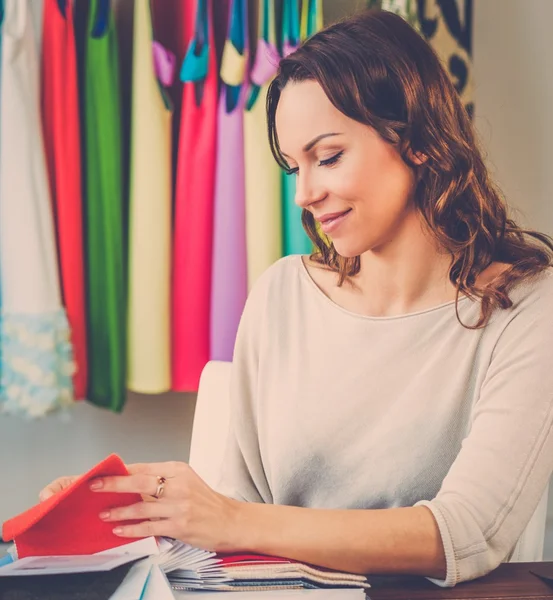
x=118 y=530
x=97 y=485
x=104 y=515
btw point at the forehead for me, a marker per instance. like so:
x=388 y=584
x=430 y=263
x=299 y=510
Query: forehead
x=304 y=112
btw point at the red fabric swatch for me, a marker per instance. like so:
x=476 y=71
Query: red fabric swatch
x=68 y=523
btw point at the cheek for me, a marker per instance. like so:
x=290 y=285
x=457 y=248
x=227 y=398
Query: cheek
x=384 y=185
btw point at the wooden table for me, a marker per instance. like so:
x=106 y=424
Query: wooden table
x=509 y=581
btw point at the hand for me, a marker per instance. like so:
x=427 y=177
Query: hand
x=189 y=510
x=56 y=486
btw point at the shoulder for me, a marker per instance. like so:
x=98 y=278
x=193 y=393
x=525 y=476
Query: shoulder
x=274 y=280
x=535 y=292
x=279 y=272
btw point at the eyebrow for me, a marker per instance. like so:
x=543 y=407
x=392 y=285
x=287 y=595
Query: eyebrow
x=309 y=146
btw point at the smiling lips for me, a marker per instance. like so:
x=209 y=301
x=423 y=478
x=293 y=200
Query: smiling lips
x=331 y=221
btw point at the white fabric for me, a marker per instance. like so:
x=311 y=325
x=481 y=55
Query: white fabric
x=338 y=410
x=209 y=435
x=29 y=271
x=37 y=360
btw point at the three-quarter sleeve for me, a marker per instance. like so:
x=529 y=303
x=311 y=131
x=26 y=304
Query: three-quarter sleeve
x=243 y=477
x=494 y=485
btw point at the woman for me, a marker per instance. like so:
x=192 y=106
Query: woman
x=392 y=395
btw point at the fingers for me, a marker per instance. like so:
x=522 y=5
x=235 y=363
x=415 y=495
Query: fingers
x=56 y=486
x=137 y=484
x=140 y=511
x=164 y=527
x=143 y=479
x=166 y=469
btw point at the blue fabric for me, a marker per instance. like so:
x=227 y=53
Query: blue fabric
x=6 y=560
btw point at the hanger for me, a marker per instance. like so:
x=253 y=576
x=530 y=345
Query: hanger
x=101 y=18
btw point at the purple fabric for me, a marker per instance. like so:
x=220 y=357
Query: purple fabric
x=266 y=63
x=288 y=48
x=165 y=64
x=229 y=270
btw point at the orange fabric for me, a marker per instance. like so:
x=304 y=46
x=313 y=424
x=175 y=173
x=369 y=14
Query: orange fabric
x=69 y=523
x=60 y=114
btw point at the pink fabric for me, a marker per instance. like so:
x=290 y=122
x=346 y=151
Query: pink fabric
x=165 y=64
x=193 y=225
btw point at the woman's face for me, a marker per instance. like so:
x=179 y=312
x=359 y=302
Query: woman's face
x=344 y=169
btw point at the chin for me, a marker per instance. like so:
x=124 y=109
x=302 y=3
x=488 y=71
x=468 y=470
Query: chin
x=349 y=248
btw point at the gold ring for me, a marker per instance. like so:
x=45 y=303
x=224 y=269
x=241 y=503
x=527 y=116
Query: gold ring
x=160 y=487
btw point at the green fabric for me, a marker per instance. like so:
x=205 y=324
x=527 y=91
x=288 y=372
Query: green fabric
x=106 y=273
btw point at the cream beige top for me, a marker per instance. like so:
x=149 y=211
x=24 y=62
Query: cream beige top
x=333 y=409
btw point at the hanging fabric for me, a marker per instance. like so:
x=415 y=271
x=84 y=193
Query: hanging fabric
x=404 y=8
x=195 y=186
x=295 y=240
x=104 y=212
x=61 y=122
x=229 y=274
x=448 y=28
x=311 y=17
x=149 y=365
x=37 y=361
x=263 y=193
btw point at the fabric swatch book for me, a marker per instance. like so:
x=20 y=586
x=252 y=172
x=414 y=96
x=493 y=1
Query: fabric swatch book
x=67 y=533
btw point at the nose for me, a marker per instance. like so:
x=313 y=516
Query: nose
x=308 y=191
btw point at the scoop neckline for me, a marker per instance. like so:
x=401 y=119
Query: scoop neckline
x=311 y=281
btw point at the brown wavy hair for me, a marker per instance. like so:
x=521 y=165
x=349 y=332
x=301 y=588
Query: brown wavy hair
x=376 y=69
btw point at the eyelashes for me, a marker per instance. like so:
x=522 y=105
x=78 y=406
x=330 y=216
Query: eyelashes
x=332 y=160
x=328 y=162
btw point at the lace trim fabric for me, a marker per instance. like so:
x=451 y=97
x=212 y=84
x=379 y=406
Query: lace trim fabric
x=36 y=363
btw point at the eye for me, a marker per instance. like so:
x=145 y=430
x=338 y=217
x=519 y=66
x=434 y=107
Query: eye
x=332 y=160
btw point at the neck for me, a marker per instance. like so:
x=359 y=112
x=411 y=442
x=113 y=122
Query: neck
x=405 y=275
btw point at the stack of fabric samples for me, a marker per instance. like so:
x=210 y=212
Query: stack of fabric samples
x=245 y=572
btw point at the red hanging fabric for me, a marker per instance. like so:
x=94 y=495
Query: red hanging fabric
x=60 y=113
x=193 y=225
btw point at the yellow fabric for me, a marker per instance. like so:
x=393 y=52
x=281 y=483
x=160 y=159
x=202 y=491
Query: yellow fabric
x=446 y=45
x=263 y=209
x=233 y=67
x=263 y=182
x=149 y=219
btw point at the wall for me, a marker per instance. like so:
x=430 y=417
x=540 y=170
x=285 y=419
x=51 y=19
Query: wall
x=514 y=96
